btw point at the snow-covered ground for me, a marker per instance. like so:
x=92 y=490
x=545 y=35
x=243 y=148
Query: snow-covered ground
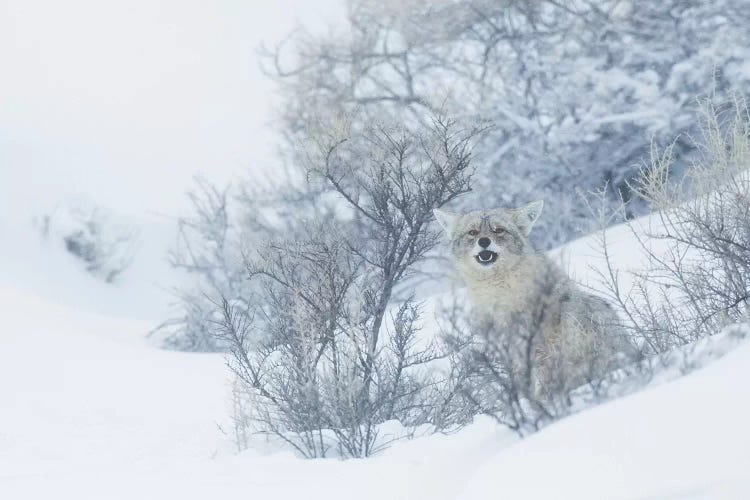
x=90 y=408
x=103 y=101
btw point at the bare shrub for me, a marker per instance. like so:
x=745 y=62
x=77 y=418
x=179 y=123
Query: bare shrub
x=326 y=351
x=208 y=248
x=695 y=276
x=223 y=223
x=496 y=369
x=106 y=248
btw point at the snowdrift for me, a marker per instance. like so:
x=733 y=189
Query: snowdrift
x=91 y=409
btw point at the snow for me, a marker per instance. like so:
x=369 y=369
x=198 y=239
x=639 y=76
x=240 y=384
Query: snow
x=102 y=101
x=684 y=439
x=41 y=265
x=91 y=408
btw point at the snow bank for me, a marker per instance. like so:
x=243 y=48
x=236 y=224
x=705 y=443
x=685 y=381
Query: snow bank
x=90 y=410
x=685 y=439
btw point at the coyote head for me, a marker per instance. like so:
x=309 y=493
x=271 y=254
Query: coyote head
x=487 y=242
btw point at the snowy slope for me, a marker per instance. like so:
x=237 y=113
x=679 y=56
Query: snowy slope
x=41 y=265
x=685 y=439
x=89 y=408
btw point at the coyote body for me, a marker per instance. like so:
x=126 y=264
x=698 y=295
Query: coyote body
x=576 y=335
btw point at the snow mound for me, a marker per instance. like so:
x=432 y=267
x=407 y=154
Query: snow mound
x=92 y=409
x=684 y=439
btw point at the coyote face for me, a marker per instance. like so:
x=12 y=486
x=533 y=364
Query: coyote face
x=487 y=243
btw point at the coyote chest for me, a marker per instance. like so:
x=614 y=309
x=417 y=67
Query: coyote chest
x=518 y=290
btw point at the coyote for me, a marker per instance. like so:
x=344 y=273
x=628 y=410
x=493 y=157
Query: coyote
x=579 y=338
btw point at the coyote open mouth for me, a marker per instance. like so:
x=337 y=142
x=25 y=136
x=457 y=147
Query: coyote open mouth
x=486 y=257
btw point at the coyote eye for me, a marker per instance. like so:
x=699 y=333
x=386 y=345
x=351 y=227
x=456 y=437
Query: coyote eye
x=473 y=232
x=498 y=230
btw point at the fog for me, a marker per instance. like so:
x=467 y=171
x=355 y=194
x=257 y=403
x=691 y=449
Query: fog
x=124 y=102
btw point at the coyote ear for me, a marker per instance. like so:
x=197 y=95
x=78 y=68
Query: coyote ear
x=526 y=216
x=446 y=219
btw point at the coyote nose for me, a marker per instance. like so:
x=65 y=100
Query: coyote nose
x=484 y=242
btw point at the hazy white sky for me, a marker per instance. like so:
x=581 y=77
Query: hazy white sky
x=125 y=101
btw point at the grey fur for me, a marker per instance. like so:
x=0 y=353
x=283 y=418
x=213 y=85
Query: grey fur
x=581 y=337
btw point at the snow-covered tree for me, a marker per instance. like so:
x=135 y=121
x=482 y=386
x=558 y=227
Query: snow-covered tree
x=577 y=90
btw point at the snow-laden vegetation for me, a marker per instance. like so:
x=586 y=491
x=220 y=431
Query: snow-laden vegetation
x=576 y=96
x=320 y=306
x=576 y=90
x=93 y=410
x=328 y=341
